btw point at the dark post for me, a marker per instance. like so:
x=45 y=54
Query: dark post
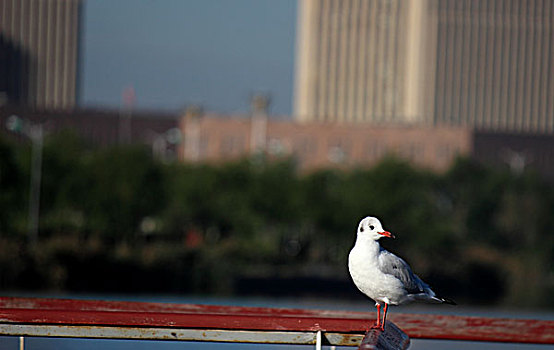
x=393 y=338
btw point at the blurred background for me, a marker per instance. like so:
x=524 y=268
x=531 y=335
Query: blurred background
x=230 y=148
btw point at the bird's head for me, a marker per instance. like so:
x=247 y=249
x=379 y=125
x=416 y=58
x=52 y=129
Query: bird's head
x=370 y=227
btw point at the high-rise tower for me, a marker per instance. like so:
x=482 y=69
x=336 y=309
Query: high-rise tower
x=486 y=64
x=495 y=64
x=39 y=52
x=364 y=60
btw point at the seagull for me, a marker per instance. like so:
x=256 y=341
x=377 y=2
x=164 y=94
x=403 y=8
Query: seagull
x=381 y=275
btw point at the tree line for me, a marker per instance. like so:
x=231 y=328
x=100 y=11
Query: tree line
x=118 y=220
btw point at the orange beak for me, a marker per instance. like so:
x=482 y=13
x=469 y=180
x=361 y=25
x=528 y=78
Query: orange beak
x=386 y=234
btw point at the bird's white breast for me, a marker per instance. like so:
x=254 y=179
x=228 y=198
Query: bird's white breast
x=363 y=265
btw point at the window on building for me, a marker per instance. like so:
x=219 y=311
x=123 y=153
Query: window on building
x=304 y=146
x=412 y=151
x=231 y=145
x=445 y=153
x=204 y=142
x=374 y=149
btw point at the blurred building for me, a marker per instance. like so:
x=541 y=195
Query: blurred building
x=104 y=128
x=39 y=53
x=361 y=61
x=495 y=64
x=210 y=138
x=317 y=145
x=482 y=64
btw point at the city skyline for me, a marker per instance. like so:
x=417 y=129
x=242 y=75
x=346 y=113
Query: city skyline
x=477 y=64
x=482 y=64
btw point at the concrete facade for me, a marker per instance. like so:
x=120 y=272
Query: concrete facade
x=316 y=145
x=359 y=61
x=39 y=53
x=487 y=65
x=320 y=145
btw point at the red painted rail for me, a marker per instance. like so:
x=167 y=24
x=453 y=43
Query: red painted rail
x=64 y=312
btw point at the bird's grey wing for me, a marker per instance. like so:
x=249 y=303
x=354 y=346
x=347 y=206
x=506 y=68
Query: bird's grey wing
x=393 y=265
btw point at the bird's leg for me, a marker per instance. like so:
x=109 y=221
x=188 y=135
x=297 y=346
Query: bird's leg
x=377 y=325
x=384 y=316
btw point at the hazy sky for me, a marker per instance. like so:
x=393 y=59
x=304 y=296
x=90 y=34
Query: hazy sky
x=175 y=52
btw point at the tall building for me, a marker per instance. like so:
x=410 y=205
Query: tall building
x=480 y=63
x=39 y=53
x=495 y=64
x=363 y=60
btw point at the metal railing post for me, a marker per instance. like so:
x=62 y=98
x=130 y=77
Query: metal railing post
x=318 y=340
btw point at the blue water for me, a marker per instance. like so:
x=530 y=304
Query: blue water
x=40 y=343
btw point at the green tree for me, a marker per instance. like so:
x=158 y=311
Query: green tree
x=12 y=198
x=126 y=186
x=64 y=184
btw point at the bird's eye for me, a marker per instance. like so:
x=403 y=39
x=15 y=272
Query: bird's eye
x=361 y=229
x=371 y=227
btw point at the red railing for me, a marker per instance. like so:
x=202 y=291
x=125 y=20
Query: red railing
x=139 y=320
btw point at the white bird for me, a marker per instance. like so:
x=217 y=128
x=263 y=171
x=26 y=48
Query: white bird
x=381 y=275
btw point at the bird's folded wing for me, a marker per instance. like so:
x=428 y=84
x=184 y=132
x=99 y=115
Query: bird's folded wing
x=393 y=265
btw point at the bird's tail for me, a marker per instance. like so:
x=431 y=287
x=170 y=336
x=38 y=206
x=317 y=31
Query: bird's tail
x=446 y=301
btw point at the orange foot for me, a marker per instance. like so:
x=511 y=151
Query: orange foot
x=378 y=326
